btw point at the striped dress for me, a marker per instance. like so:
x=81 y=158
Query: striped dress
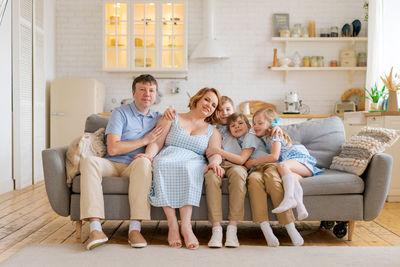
x=178 y=170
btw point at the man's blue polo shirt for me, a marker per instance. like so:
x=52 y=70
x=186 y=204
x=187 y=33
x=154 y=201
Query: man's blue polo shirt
x=127 y=122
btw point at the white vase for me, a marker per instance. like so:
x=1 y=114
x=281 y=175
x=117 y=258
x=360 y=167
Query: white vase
x=393 y=101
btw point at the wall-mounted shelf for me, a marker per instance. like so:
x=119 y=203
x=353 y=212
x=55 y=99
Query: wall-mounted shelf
x=351 y=40
x=349 y=69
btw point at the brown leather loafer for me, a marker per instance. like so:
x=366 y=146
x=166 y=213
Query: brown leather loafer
x=136 y=240
x=96 y=238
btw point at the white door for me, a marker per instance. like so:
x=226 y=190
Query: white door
x=6 y=182
x=22 y=92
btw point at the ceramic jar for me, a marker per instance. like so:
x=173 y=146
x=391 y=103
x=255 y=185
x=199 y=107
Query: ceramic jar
x=296 y=31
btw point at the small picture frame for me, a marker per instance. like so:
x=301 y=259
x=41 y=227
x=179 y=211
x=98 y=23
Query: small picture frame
x=281 y=21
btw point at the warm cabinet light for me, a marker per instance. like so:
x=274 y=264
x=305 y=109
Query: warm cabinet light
x=152 y=4
x=117 y=5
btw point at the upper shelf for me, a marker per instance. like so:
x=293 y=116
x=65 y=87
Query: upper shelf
x=351 y=40
x=320 y=39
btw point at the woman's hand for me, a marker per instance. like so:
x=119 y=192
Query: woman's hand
x=277 y=132
x=153 y=135
x=169 y=114
x=141 y=155
x=250 y=163
x=212 y=151
x=217 y=169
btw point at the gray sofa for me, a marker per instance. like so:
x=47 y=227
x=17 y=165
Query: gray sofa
x=331 y=196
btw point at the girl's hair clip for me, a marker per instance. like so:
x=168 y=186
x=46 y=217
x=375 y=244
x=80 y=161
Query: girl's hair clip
x=275 y=122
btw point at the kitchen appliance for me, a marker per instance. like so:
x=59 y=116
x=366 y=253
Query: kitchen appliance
x=72 y=100
x=345 y=106
x=292 y=103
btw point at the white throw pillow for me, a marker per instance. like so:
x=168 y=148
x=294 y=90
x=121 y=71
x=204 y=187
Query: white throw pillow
x=89 y=144
x=358 y=151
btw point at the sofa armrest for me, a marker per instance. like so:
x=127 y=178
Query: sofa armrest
x=55 y=179
x=377 y=180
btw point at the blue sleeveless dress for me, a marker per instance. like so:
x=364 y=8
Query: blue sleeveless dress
x=178 y=170
x=297 y=152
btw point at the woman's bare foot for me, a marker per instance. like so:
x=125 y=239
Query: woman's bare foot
x=174 y=237
x=191 y=241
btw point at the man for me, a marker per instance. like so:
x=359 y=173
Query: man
x=129 y=130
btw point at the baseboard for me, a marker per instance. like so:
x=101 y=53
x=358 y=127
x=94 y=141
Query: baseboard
x=6 y=186
x=393 y=198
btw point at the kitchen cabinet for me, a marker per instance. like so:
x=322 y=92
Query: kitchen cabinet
x=145 y=36
x=350 y=40
x=390 y=122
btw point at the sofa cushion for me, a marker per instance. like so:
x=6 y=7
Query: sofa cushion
x=95 y=122
x=331 y=182
x=358 y=150
x=89 y=144
x=322 y=137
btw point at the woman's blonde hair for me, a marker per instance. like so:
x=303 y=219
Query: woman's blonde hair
x=234 y=117
x=270 y=115
x=213 y=118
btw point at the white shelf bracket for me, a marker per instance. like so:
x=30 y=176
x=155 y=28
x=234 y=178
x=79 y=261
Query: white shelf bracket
x=285 y=73
x=285 y=45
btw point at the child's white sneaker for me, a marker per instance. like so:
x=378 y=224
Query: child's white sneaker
x=216 y=238
x=231 y=237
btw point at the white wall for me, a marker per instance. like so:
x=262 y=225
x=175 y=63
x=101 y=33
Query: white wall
x=246 y=29
x=6 y=183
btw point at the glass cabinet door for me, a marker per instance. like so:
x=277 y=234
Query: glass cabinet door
x=144 y=35
x=116 y=35
x=173 y=35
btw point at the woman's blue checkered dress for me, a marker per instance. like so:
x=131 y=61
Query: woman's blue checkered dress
x=297 y=152
x=178 y=170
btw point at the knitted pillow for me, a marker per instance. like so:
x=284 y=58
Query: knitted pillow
x=89 y=144
x=358 y=151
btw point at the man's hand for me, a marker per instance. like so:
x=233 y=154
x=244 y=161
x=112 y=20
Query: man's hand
x=141 y=155
x=250 y=163
x=277 y=132
x=152 y=136
x=212 y=151
x=216 y=169
x=169 y=114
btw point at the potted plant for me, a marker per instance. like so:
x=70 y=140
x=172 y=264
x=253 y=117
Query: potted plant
x=376 y=96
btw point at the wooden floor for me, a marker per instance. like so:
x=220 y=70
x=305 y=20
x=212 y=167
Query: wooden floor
x=27 y=218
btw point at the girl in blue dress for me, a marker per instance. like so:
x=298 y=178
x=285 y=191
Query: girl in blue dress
x=295 y=162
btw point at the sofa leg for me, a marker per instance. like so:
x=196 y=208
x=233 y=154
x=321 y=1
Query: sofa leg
x=78 y=231
x=350 y=230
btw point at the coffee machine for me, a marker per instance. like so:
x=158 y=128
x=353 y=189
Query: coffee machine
x=292 y=103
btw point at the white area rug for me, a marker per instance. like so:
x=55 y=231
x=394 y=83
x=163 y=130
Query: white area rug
x=122 y=255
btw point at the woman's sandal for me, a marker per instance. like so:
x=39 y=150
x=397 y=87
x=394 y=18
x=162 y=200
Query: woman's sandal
x=192 y=246
x=175 y=243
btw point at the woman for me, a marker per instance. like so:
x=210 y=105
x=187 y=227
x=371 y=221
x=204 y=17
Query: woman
x=178 y=170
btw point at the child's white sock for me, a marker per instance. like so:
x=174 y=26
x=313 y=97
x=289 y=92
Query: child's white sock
x=95 y=225
x=301 y=209
x=231 y=237
x=294 y=235
x=288 y=201
x=216 y=237
x=134 y=225
x=272 y=241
